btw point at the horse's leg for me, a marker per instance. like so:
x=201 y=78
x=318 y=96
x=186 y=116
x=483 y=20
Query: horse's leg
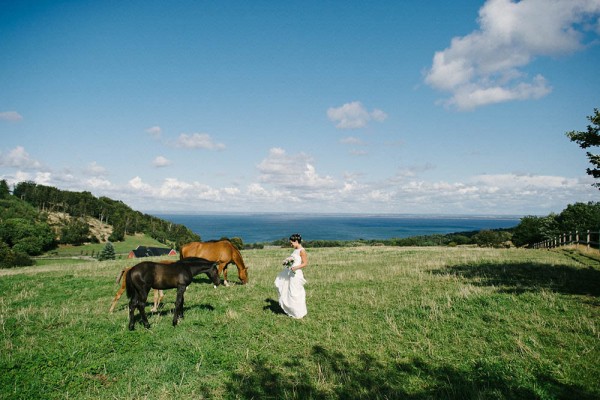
x=142 y=307
x=178 y=312
x=132 y=307
x=223 y=268
x=158 y=296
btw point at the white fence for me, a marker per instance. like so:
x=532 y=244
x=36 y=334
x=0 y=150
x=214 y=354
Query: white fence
x=587 y=238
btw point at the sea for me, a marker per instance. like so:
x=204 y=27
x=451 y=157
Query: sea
x=268 y=227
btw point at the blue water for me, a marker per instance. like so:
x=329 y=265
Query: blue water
x=257 y=228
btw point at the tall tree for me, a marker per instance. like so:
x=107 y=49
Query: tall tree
x=590 y=138
x=4 y=191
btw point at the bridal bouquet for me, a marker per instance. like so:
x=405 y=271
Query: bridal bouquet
x=288 y=262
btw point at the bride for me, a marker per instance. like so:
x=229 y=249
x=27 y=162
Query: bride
x=290 y=282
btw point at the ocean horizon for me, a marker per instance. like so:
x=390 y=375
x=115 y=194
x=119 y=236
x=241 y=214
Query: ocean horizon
x=256 y=227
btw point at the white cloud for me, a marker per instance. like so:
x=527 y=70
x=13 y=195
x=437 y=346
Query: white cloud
x=154 y=131
x=161 y=161
x=291 y=171
x=354 y=115
x=18 y=158
x=351 y=140
x=486 y=66
x=198 y=141
x=11 y=116
x=138 y=185
x=95 y=169
x=98 y=183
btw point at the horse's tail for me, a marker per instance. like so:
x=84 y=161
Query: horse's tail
x=129 y=284
x=121 y=275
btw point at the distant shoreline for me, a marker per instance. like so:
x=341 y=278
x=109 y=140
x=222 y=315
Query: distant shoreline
x=269 y=227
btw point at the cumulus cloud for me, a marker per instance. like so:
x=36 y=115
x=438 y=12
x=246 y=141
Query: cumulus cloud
x=161 y=161
x=291 y=171
x=154 y=131
x=183 y=192
x=11 y=116
x=198 y=141
x=98 y=183
x=354 y=116
x=18 y=158
x=486 y=66
x=94 y=168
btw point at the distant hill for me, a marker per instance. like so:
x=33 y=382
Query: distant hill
x=77 y=217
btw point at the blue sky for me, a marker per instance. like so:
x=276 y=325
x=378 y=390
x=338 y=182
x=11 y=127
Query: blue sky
x=317 y=106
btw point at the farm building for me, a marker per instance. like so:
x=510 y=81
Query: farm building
x=143 y=251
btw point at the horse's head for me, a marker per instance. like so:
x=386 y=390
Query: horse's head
x=243 y=272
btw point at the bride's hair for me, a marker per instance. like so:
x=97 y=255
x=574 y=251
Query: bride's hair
x=296 y=238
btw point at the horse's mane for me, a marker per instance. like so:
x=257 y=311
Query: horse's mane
x=191 y=260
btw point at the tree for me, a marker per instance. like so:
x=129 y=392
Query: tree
x=533 y=229
x=488 y=238
x=75 y=232
x=4 y=191
x=579 y=217
x=590 y=138
x=107 y=253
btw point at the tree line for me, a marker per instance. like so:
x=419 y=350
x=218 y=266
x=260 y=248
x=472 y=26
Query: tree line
x=25 y=231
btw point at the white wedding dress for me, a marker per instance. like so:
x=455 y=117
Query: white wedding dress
x=292 y=296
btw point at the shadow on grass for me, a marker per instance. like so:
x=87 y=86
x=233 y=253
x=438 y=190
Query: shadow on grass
x=273 y=306
x=369 y=378
x=527 y=277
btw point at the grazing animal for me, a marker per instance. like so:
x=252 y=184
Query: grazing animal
x=158 y=294
x=220 y=251
x=148 y=274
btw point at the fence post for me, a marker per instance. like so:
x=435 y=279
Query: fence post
x=588 y=239
x=576 y=239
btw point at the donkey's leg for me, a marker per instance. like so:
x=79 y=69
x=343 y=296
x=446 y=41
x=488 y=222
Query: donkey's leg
x=178 y=312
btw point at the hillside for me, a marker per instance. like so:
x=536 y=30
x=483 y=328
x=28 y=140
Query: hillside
x=97 y=229
x=35 y=219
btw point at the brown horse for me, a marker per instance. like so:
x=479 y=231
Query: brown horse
x=220 y=251
x=158 y=294
x=179 y=275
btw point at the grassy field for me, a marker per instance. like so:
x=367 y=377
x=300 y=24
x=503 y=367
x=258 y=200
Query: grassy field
x=383 y=323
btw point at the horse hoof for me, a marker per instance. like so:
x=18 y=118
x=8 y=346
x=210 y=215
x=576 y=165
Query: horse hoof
x=131 y=327
x=226 y=283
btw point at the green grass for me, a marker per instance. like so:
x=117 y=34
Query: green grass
x=383 y=323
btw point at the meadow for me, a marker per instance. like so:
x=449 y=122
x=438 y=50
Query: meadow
x=383 y=323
